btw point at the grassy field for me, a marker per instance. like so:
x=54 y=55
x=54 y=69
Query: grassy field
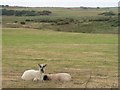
x=87 y=57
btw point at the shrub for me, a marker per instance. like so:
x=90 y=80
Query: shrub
x=110 y=13
x=15 y=21
x=45 y=12
x=24 y=12
x=27 y=20
x=98 y=7
x=22 y=23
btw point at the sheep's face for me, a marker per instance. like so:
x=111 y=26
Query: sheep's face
x=42 y=67
x=46 y=77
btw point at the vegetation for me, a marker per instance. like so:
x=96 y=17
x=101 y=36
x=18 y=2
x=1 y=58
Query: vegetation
x=90 y=20
x=78 y=41
x=4 y=6
x=81 y=55
x=15 y=21
x=24 y=13
x=110 y=13
x=22 y=22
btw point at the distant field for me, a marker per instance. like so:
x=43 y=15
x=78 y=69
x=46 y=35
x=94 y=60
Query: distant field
x=82 y=55
x=67 y=20
x=69 y=11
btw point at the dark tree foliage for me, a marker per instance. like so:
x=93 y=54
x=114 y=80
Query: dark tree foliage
x=44 y=12
x=24 y=13
x=4 y=5
x=15 y=21
x=22 y=23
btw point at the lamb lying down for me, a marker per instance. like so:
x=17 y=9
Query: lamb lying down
x=34 y=74
x=57 y=77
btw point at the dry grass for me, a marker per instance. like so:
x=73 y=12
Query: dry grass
x=90 y=65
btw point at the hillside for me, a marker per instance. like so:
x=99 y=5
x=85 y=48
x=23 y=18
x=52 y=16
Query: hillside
x=83 y=20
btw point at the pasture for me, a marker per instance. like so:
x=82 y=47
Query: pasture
x=91 y=59
x=91 y=20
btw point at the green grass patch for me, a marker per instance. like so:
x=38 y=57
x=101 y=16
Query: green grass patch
x=76 y=53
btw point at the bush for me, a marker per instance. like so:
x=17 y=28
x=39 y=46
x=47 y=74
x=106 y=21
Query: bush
x=98 y=7
x=24 y=12
x=27 y=20
x=15 y=21
x=110 y=13
x=22 y=23
x=45 y=12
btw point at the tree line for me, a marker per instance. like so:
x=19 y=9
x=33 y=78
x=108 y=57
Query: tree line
x=24 y=12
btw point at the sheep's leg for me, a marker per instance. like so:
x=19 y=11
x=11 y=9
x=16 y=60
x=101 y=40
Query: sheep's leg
x=41 y=78
x=35 y=79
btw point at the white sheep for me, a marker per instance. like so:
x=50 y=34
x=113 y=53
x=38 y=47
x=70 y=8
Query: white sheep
x=34 y=74
x=57 y=77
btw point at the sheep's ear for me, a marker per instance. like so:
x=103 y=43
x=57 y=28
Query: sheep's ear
x=39 y=65
x=45 y=65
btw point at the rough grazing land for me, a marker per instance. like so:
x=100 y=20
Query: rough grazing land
x=91 y=59
x=91 y=20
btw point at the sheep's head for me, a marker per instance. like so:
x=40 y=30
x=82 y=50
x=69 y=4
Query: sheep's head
x=45 y=77
x=42 y=67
